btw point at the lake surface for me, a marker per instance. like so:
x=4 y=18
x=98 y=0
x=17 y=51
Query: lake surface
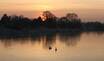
x=54 y=47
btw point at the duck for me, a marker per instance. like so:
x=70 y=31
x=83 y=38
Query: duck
x=55 y=49
x=50 y=47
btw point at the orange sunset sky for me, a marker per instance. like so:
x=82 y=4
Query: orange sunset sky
x=86 y=9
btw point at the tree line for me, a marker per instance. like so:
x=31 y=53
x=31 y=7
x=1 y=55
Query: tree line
x=49 y=21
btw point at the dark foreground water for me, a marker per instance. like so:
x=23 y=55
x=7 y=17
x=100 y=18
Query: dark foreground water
x=54 y=47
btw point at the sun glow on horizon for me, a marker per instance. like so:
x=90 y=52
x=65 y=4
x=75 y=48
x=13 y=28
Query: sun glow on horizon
x=33 y=8
x=48 y=5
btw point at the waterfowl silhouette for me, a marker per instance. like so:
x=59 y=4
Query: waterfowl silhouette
x=50 y=47
x=55 y=49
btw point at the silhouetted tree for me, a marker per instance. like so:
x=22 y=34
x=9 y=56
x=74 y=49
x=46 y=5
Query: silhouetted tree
x=49 y=21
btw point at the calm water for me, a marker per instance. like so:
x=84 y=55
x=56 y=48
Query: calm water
x=54 y=47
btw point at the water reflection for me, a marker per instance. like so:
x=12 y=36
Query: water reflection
x=48 y=40
x=70 y=39
x=52 y=46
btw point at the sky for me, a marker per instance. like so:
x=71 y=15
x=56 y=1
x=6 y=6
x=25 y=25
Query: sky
x=51 y=4
x=59 y=7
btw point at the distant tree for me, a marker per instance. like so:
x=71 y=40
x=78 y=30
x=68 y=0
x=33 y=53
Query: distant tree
x=38 y=22
x=72 y=16
x=4 y=18
x=49 y=19
x=48 y=15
